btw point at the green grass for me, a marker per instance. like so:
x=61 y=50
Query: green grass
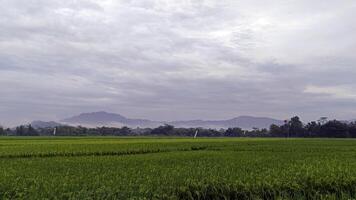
x=176 y=168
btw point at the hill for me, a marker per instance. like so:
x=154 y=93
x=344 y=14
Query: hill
x=102 y=118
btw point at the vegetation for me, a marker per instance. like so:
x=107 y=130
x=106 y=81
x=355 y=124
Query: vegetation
x=2 y=132
x=176 y=168
x=292 y=128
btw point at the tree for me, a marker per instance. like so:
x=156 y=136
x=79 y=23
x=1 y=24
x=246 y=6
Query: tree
x=31 y=131
x=2 y=132
x=20 y=130
x=124 y=131
x=352 y=129
x=8 y=131
x=209 y=132
x=313 y=129
x=334 y=128
x=276 y=131
x=286 y=129
x=163 y=130
x=323 y=120
x=296 y=127
x=234 y=132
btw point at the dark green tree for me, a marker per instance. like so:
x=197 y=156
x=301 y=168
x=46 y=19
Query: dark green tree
x=276 y=131
x=124 y=131
x=313 y=129
x=31 y=131
x=352 y=129
x=234 y=132
x=296 y=127
x=2 y=132
x=163 y=130
x=334 y=128
x=20 y=130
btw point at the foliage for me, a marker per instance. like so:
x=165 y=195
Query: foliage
x=291 y=128
x=176 y=168
x=2 y=131
x=26 y=131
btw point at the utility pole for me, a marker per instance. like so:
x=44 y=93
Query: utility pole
x=196 y=133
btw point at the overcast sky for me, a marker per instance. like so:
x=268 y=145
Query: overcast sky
x=186 y=59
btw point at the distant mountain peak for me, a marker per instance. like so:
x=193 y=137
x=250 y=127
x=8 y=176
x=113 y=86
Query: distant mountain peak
x=100 y=113
x=245 y=122
x=43 y=124
x=250 y=117
x=95 y=117
x=102 y=118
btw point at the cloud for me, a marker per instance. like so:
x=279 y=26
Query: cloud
x=334 y=92
x=164 y=59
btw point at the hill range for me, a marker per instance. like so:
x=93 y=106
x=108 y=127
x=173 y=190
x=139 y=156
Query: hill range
x=97 y=119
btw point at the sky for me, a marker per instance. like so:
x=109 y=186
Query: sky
x=173 y=60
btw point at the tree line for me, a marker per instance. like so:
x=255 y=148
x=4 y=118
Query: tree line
x=291 y=128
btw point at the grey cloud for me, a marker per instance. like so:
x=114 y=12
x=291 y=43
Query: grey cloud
x=163 y=59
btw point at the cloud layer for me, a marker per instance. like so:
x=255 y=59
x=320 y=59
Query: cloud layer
x=165 y=59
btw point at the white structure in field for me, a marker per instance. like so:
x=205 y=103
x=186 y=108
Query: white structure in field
x=54 y=131
x=196 y=133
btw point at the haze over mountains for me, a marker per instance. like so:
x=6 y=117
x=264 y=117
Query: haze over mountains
x=102 y=118
x=43 y=124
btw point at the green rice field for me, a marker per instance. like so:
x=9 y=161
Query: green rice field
x=176 y=168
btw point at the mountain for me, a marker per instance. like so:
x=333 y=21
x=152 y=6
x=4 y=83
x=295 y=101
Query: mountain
x=43 y=124
x=102 y=118
x=244 y=122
